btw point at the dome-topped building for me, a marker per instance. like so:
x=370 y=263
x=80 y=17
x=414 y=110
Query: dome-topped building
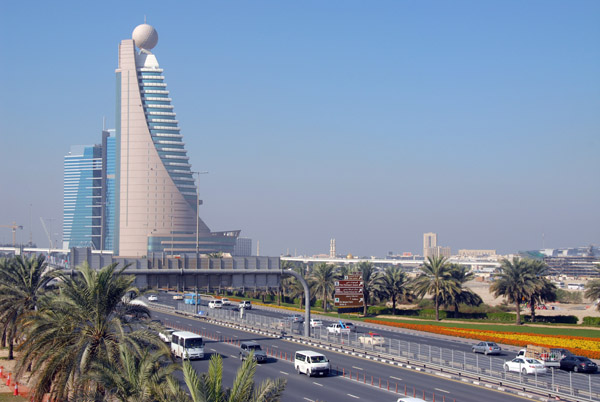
x=157 y=192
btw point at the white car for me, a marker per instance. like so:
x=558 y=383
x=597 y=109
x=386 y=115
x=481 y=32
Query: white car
x=226 y=301
x=525 y=365
x=152 y=298
x=217 y=303
x=337 y=328
x=315 y=323
x=178 y=297
x=166 y=335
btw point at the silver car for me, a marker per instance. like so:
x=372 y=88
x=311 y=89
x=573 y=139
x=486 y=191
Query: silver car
x=487 y=348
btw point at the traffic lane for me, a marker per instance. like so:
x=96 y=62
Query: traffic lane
x=299 y=387
x=560 y=377
x=363 y=367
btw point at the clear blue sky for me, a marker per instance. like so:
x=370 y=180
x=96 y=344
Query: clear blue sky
x=370 y=122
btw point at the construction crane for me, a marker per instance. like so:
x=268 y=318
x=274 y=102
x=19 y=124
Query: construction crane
x=14 y=228
x=47 y=233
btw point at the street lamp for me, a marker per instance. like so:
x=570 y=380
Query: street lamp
x=198 y=212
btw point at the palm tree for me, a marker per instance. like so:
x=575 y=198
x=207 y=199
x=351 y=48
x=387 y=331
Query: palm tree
x=133 y=378
x=436 y=280
x=208 y=386
x=22 y=282
x=323 y=279
x=463 y=295
x=592 y=289
x=89 y=321
x=515 y=281
x=542 y=290
x=371 y=283
x=285 y=265
x=293 y=286
x=395 y=285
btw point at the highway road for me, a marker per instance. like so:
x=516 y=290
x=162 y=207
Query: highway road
x=335 y=387
x=459 y=347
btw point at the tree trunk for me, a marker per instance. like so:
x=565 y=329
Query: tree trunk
x=455 y=310
x=437 y=309
x=518 y=305
x=532 y=305
x=324 y=300
x=279 y=296
x=365 y=305
x=393 y=305
x=3 y=339
x=10 y=349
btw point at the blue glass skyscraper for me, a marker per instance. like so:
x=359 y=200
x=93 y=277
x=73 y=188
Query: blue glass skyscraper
x=82 y=197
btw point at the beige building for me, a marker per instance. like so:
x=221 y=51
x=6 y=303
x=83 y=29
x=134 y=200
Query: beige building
x=157 y=198
x=431 y=249
x=476 y=253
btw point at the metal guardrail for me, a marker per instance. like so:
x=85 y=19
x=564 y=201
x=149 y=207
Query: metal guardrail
x=570 y=386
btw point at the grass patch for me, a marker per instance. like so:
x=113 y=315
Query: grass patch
x=9 y=397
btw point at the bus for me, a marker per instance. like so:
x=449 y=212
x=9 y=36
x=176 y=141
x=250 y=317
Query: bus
x=191 y=298
x=187 y=345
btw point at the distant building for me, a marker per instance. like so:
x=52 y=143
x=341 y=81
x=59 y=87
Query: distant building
x=108 y=189
x=243 y=247
x=431 y=248
x=476 y=253
x=82 y=197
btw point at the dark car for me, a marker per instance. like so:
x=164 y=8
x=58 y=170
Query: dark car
x=487 y=348
x=578 y=364
x=251 y=346
x=562 y=353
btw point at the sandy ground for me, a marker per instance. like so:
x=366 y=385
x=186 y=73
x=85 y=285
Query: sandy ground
x=578 y=310
x=8 y=367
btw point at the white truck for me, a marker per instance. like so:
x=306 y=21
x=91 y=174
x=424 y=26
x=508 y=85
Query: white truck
x=549 y=357
x=337 y=328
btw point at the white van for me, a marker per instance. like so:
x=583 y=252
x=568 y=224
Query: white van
x=187 y=345
x=309 y=363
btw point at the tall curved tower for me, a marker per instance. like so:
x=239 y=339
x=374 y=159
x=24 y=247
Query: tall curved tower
x=157 y=199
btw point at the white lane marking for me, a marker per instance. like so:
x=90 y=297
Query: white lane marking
x=234 y=356
x=309 y=400
x=212 y=350
x=396 y=378
x=190 y=325
x=442 y=390
x=283 y=372
x=353 y=396
x=275 y=346
x=316 y=383
x=203 y=327
x=218 y=332
x=358 y=368
x=235 y=336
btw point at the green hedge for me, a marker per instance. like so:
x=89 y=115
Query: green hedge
x=554 y=319
x=591 y=320
x=430 y=313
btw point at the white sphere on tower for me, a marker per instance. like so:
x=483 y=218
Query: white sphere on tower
x=145 y=36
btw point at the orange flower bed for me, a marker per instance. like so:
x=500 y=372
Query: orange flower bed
x=579 y=345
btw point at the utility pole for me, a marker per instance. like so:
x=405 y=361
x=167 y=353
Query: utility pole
x=198 y=212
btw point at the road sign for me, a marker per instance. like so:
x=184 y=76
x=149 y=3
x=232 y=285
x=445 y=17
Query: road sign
x=353 y=277
x=348 y=301
x=348 y=283
x=348 y=291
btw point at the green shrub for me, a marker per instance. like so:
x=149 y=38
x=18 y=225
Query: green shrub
x=504 y=317
x=591 y=320
x=555 y=319
x=318 y=303
x=425 y=303
x=430 y=313
x=378 y=310
x=564 y=296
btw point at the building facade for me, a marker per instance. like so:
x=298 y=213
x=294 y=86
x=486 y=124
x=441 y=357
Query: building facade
x=243 y=247
x=82 y=197
x=156 y=196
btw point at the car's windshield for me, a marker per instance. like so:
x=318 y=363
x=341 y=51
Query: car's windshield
x=318 y=359
x=254 y=347
x=194 y=343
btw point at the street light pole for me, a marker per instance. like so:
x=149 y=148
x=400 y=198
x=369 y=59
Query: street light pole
x=198 y=213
